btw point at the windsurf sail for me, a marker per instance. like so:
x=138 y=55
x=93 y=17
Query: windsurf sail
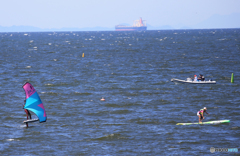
x=209 y=122
x=34 y=103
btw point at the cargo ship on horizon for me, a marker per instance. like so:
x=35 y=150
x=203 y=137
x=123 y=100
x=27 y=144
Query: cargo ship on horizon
x=138 y=25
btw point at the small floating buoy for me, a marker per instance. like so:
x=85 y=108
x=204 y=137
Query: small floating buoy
x=102 y=99
x=83 y=55
x=232 y=79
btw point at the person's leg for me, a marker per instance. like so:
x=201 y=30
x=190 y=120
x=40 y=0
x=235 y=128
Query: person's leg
x=29 y=115
x=199 y=116
x=26 y=111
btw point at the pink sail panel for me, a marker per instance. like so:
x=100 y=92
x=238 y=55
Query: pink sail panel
x=41 y=105
x=29 y=90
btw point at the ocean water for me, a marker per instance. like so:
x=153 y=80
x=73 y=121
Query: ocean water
x=132 y=71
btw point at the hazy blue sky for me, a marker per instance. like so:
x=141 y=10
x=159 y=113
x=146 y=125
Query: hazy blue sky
x=108 y=13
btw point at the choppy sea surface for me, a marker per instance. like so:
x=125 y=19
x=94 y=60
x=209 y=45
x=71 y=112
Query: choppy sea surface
x=132 y=71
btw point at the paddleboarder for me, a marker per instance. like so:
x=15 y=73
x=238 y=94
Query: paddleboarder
x=201 y=112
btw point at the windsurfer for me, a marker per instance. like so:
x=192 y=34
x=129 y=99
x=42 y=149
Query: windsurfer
x=27 y=112
x=201 y=112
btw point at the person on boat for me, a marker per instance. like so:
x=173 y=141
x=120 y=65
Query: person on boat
x=199 y=78
x=27 y=112
x=201 y=112
x=195 y=78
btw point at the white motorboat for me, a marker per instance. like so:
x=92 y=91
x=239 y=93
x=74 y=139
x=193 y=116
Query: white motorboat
x=189 y=80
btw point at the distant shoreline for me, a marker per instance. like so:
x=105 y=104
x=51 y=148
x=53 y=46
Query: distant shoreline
x=21 y=31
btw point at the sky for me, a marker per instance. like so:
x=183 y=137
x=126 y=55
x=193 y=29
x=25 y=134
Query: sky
x=47 y=14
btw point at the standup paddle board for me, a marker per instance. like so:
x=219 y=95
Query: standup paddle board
x=30 y=120
x=209 y=122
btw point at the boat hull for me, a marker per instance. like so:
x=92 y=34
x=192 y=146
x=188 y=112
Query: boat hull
x=126 y=28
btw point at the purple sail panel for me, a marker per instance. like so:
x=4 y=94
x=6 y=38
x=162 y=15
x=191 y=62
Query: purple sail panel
x=29 y=90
